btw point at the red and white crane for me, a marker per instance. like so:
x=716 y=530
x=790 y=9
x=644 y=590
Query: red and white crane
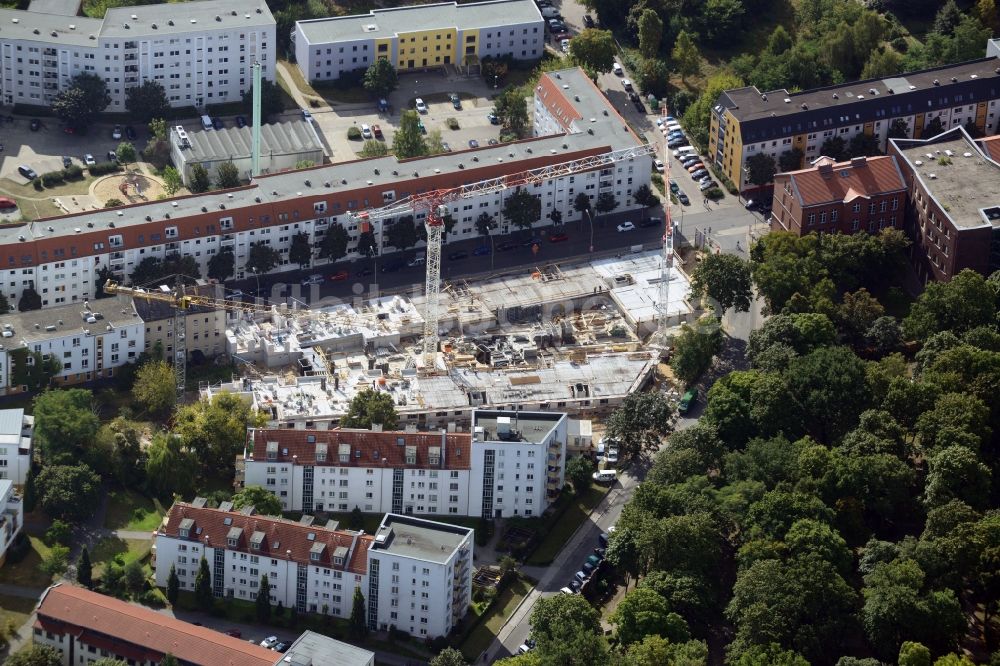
x=667 y=265
x=434 y=205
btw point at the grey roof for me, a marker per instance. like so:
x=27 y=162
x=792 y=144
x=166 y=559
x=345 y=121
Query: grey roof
x=964 y=184
x=160 y=310
x=68 y=319
x=390 y=22
x=287 y=138
x=11 y=421
x=414 y=537
x=312 y=649
x=61 y=7
x=169 y=18
x=529 y=426
x=49 y=28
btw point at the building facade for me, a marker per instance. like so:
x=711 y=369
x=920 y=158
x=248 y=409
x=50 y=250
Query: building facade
x=87 y=342
x=11 y=516
x=953 y=203
x=85 y=626
x=61 y=257
x=201 y=58
x=16 y=435
x=512 y=464
x=419 y=38
x=747 y=122
x=204 y=327
x=863 y=194
x=316 y=568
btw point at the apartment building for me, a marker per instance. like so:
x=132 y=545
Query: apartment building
x=419 y=38
x=863 y=194
x=16 y=435
x=11 y=516
x=88 y=341
x=746 y=122
x=85 y=626
x=61 y=257
x=204 y=327
x=316 y=568
x=953 y=211
x=201 y=58
x=510 y=465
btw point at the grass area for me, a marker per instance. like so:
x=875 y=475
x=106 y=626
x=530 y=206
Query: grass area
x=558 y=532
x=26 y=571
x=352 y=95
x=14 y=611
x=490 y=624
x=109 y=548
x=369 y=521
x=128 y=510
x=212 y=373
x=68 y=188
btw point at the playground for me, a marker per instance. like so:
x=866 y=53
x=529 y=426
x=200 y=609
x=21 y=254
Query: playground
x=130 y=187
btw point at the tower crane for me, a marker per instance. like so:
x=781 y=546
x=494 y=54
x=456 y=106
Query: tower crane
x=667 y=265
x=434 y=205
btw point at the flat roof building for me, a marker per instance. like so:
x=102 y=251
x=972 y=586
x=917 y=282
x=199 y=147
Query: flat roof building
x=312 y=649
x=16 y=437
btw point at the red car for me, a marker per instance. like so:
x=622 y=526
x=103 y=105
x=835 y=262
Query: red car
x=338 y=276
x=377 y=131
x=558 y=238
x=6 y=203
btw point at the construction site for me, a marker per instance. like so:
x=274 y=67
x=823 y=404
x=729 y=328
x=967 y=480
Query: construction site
x=568 y=338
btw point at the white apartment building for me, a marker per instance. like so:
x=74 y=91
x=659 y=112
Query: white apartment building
x=420 y=37
x=61 y=257
x=16 y=432
x=511 y=464
x=419 y=576
x=89 y=343
x=11 y=516
x=200 y=58
x=313 y=568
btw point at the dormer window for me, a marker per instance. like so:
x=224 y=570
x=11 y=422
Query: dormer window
x=182 y=533
x=232 y=542
x=411 y=455
x=339 y=561
x=314 y=557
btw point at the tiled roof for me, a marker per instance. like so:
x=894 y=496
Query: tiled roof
x=991 y=146
x=281 y=538
x=829 y=182
x=367 y=448
x=134 y=630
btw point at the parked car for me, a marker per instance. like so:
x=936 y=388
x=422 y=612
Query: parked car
x=116 y=133
x=418 y=260
x=706 y=184
x=626 y=226
x=455 y=101
x=594 y=559
x=658 y=165
x=564 y=45
x=683 y=198
x=575 y=585
x=66 y=162
x=676 y=143
x=366 y=132
x=306 y=115
x=493 y=118
x=421 y=107
x=481 y=251
x=698 y=175
x=617 y=69
x=493 y=142
x=612 y=457
x=626 y=84
x=217 y=123
x=445 y=147
x=558 y=238
x=112 y=156
x=420 y=126
x=687 y=401
x=566 y=590
x=599 y=552
x=674 y=187
x=588 y=21
x=269 y=642
x=7 y=204
x=364 y=272
x=383 y=105
x=637 y=102
x=505 y=247
x=602 y=538
x=651 y=222
x=688 y=160
x=607 y=476
x=534 y=240
x=458 y=256
x=377 y=131
x=235 y=633
x=588 y=567
x=281 y=647
x=695 y=166
x=339 y=276
x=89 y=160
x=581 y=576
x=316 y=278
x=241 y=122
x=35 y=124
x=473 y=143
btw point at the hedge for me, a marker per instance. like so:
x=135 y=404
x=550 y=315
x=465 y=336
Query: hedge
x=73 y=172
x=53 y=178
x=102 y=168
x=353 y=133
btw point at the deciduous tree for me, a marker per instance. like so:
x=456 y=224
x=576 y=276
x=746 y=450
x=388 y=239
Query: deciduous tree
x=761 y=168
x=86 y=96
x=694 y=349
x=640 y=423
x=726 y=279
x=264 y=501
x=262 y=258
x=154 y=388
x=170 y=468
x=300 y=251
x=369 y=407
x=222 y=264
x=146 y=101
x=65 y=424
x=579 y=470
x=68 y=492
x=567 y=631
x=262 y=604
x=172 y=181
x=333 y=245
x=198 y=182
x=512 y=110
x=522 y=209
x=643 y=612
x=227 y=176
x=408 y=141
x=594 y=50
x=380 y=78
x=650 y=33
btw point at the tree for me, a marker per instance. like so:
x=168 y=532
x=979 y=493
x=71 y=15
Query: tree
x=158 y=128
x=271 y=103
x=403 y=234
x=371 y=407
x=36 y=655
x=79 y=104
x=135 y=578
x=779 y=41
x=512 y=110
x=227 y=176
x=948 y=18
x=262 y=604
x=726 y=279
x=760 y=168
x=173 y=586
x=198 y=182
x=147 y=101
x=650 y=33
x=581 y=203
x=913 y=654
x=986 y=12
x=68 y=492
x=882 y=63
x=203 y=587
x=172 y=181
x=125 y=152
x=262 y=258
x=695 y=348
x=643 y=612
x=333 y=245
x=567 y=631
x=380 y=78
x=579 y=470
x=154 y=388
x=30 y=300
x=408 y=141
x=169 y=467
x=686 y=55
x=109 y=661
x=65 y=423
x=84 y=569
x=222 y=264
x=640 y=423
x=594 y=50
x=300 y=251
x=863 y=145
x=643 y=196
x=215 y=431
x=606 y=203
x=790 y=160
x=933 y=127
x=374 y=148
x=152 y=270
x=449 y=657
x=956 y=472
x=359 y=621
x=965 y=302
x=264 y=501
x=835 y=148
x=899 y=129
x=522 y=209
x=829 y=384
x=169 y=660
x=56 y=562
x=367 y=244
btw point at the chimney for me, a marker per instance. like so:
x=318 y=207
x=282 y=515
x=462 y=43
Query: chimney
x=859 y=161
x=825 y=168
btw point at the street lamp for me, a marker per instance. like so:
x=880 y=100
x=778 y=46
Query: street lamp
x=256 y=277
x=496 y=79
x=590 y=219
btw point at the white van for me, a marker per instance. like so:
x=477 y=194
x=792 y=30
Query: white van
x=684 y=150
x=607 y=476
x=206 y=123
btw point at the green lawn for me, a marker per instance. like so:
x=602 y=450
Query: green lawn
x=561 y=528
x=489 y=626
x=26 y=571
x=108 y=548
x=369 y=521
x=14 y=611
x=128 y=510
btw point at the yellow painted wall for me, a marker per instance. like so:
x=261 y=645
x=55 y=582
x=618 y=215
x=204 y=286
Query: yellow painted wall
x=411 y=46
x=732 y=151
x=388 y=48
x=918 y=125
x=981 y=117
x=869 y=129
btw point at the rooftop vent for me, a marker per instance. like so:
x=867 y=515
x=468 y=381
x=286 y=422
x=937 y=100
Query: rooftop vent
x=836 y=96
x=919 y=162
x=90 y=225
x=369 y=27
x=19 y=20
x=222 y=206
x=174 y=204
x=932 y=176
x=233 y=13
x=218 y=18
x=54 y=33
x=194 y=20
x=204 y=209
x=788 y=100
x=804 y=106
x=72 y=26
x=954 y=79
x=872 y=91
x=154 y=26
x=890 y=91
x=170 y=22
x=126 y=26
x=966 y=154
x=974 y=76
x=913 y=87
x=149 y=218
x=326 y=183
x=936 y=82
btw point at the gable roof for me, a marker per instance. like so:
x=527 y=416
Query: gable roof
x=367 y=448
x=829 y=182
x=140 y=633
x=277 y=537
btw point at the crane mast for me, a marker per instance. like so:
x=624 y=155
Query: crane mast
x=661 y=337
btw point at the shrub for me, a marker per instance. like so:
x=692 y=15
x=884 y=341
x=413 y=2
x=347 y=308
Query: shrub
x=150 y=598
x=714 y=193
x=452 y=123
x=724 y=179
x=354 y=134
x=18 y=549
x=73 y=172
x=52 y=178
x=900 y=44
x=102 y=168
x=37 y=184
